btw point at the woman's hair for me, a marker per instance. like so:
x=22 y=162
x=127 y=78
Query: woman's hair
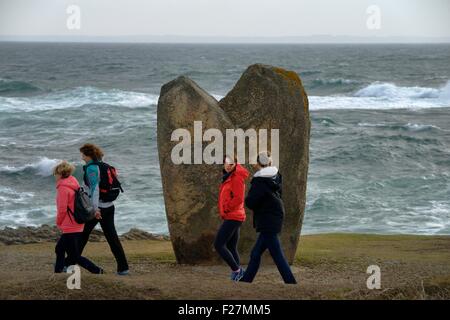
x=229 y=157
x=63 y=169
x=92 y=151
x=264 y=159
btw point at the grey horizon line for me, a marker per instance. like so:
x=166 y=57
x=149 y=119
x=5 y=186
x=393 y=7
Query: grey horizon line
x=167 y=39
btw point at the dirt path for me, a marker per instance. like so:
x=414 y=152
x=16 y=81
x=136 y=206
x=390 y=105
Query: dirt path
x=329 y=266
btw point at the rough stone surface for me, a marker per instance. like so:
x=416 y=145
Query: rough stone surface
x=190 y=190
x=46 y=233
x=265 y=97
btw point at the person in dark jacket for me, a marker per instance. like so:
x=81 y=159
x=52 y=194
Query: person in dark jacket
x=264 y=199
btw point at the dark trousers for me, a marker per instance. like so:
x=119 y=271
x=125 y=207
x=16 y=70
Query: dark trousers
x=109 y=230
x=268 y=241
x=69 y=244
x=226 y=243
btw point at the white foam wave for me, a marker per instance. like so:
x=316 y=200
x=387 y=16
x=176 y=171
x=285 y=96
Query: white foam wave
x=10 y=196
x=390 y=91
x=77 y=97
x=334 y=81
x=43 y=167
x=414 y=127
x=375 y=96
x=379 y=96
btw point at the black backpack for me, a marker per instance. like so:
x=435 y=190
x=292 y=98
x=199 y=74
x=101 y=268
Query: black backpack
x=83 y=209
x=109 y=187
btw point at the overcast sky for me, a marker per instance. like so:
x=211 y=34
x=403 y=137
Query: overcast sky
x=226 y=18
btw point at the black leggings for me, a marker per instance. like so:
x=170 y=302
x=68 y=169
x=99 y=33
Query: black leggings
x=70 y=243
x=109 y=230
x=226 y=243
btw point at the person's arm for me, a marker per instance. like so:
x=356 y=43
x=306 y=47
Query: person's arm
x=62 y=202
x=254 y=196
x=238 y=189
x=93 y=177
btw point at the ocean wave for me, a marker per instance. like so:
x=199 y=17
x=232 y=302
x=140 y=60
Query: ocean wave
x=43 y=167
x=332 y=82
x=10 y=196
x=218 y=97
x=414 y=127
x=374 y=96
x=78 y=97
x=371 y=103
x=10 y=87
x=381 y=96
x=309 y=72
x=324 y=121
x=392 y=91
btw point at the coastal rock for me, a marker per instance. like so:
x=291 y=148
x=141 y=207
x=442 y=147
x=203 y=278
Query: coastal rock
x=46 y=233
x=265 y=97
x=190 y=190
x=136 y=234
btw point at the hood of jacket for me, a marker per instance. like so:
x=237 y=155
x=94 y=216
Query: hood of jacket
x=270 y=176
x=239 y=171
x=69 y=182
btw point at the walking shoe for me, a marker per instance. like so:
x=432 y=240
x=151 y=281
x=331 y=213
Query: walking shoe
x=237 y=275
x=123 y=273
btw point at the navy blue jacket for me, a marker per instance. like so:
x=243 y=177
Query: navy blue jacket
x=264 y=199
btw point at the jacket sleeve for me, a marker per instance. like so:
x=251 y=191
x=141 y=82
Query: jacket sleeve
x=62 y=202
x=238 y=189
x=281 y=187
x=93 y=177
x=254 y=196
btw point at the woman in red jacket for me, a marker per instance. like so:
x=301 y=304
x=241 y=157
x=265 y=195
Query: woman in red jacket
x=69 y=243
x=232 y=212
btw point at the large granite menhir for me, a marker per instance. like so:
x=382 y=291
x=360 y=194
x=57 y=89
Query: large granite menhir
x=265 y=97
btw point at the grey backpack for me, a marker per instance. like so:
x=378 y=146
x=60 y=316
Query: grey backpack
x=83 y=209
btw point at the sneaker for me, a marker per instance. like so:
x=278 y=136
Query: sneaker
x=123 y=273
x=237 y=275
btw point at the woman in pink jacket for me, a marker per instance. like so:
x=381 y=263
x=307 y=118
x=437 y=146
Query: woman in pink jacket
x=69 y=243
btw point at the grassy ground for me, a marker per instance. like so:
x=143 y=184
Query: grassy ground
x=329 y=266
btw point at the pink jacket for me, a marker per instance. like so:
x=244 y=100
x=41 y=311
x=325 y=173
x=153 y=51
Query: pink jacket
x=65 y=197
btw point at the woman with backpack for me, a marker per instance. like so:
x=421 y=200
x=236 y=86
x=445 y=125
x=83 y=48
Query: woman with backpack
x=232 y=212
x=70 y=241
x=264 y=198
x=98 y=178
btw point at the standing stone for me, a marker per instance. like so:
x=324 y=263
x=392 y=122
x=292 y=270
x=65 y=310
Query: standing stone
x=265 y=97
x=190 y=190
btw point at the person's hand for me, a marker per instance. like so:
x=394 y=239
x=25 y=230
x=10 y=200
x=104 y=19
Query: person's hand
x=98 y=215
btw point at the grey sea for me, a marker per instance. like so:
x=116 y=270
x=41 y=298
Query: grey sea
x=380 y=144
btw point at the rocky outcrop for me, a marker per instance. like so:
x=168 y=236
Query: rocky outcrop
x=265 y=97
x=46 y=233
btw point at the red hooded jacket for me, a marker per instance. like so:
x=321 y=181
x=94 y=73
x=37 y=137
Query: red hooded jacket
x=232 y=194
x=65 y=197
